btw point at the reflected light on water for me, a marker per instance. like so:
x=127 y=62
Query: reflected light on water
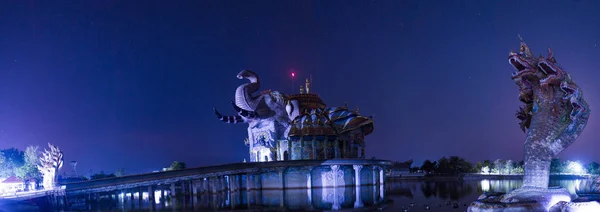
x=157 y=195
x=485 y=185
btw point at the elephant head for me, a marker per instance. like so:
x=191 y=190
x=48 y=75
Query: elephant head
x=264 y=112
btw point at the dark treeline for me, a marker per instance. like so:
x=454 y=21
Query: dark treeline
x=24 y=165
x=455 y=165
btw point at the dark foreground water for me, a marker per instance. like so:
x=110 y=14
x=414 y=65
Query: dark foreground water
x=396 y=195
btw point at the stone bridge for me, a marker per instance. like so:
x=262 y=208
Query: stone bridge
x=190 y=183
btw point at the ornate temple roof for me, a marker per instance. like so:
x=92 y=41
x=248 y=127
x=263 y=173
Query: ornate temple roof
x=329 y=122
x=308 y=100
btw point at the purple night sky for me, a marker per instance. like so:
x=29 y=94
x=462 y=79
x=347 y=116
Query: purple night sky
x=132 y=84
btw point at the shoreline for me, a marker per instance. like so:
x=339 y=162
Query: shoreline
x=470 y=177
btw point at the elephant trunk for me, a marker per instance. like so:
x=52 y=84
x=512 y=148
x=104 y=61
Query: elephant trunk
x=244 y=97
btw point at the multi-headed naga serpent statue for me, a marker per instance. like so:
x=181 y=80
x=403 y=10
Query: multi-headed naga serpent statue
x=555 y=112
x=554 y=115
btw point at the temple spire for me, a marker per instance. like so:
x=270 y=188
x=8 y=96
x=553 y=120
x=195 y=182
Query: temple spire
x=307 y=86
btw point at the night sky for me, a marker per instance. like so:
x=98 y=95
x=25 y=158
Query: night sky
x=131 y=84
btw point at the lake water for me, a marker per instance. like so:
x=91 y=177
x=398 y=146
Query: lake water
x=451 y=195
x=395 y=195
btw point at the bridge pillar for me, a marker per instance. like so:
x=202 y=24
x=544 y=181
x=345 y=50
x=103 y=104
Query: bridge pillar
x=381 y=176
x=231 y=182
x=375 y=194
x=173 y=190
x=225 y=183
x=140 y=197
x=163 y=196
x=219 y=183
x=334 y=170
x=248 y=182
x=240 y=183
x=96 y=201
x=213 y=184
x=89 y=201
x=203 y=184
x=374 y=173
x=116 y=193
x=222 y=184
x=185 y=193
x=151 y=198
x=357 y=169
x=309 y=176
x=281 y=177
x=258 y=181
x=237 y=182
x=194 y=187
x=132 y=197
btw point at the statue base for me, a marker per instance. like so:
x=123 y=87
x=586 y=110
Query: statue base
x=522 y=199
x=553 y=199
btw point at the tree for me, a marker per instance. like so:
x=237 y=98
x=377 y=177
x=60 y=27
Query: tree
x=120 y=172
x=518 y=167
x=176 y=165
x=29 y=170
x=508 y=166
x=556 y=166
x=453 y=165
x=101 y=175
x=428 y=166
x=461 y=165
x=500 y=166
x=13 y=159
x=443 y=165
x=593 y=168
x=485 y=170
x=32 y=155
x=518 y=170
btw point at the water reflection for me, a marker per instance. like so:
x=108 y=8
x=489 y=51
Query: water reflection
x=451 y=195
x=395 y=195
x=290 y=199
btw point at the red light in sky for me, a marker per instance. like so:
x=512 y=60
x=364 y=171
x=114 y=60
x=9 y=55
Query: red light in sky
x=293 y=74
